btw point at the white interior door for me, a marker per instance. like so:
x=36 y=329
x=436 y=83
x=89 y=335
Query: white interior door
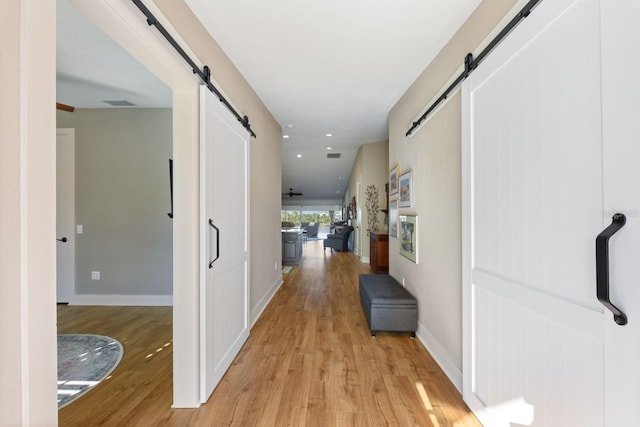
x=65 y=214
x=224 y=294
x=539 y=113
x=620 y=94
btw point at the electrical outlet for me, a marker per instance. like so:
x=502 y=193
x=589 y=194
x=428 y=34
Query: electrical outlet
x=95 y=275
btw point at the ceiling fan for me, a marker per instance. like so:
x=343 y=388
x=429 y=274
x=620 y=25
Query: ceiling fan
x=291 y=193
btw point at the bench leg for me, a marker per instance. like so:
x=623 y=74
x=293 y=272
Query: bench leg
x=373 y=334
x=413 y=334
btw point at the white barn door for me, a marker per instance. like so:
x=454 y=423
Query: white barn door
x=548 y=158
x=65 y=215
x=224 y=246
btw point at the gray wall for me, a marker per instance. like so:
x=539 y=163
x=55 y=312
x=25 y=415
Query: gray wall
x=122 y=200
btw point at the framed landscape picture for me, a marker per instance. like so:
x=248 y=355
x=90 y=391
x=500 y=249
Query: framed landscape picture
x=393 y=218
x=408 y=228
x=405 y=188
x=393 y=181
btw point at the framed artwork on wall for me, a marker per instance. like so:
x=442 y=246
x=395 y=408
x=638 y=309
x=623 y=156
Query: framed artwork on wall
x=393 y=181
x=408 y=228
x=405 y=188
x=393 y=218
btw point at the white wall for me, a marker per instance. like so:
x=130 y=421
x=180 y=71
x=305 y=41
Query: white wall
x=27 y=214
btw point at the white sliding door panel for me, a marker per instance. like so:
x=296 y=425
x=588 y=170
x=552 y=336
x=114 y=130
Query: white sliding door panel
x=548 y=139
x=224 y=305
x=540 y=152
x=526 y=337
x=621 y=91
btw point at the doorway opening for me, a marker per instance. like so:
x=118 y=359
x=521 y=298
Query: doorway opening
x=115 y=237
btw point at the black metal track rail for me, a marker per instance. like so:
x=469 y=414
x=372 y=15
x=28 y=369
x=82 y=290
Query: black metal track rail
x=471 y=63
x=204 y=74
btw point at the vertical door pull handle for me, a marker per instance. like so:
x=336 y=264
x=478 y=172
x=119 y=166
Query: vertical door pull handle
x=217 y=243
x=602 y=267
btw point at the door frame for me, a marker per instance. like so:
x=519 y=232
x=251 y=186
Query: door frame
x=123 y=22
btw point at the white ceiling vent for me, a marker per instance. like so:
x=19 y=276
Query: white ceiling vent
x=333 y=155
x=120 y=103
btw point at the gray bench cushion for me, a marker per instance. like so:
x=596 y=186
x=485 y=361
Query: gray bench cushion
x=387 y=305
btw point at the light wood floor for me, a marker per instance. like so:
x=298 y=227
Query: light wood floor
x=310 y=361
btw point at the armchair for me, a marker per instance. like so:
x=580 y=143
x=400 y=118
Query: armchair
x=312 y=229
x=338 y=241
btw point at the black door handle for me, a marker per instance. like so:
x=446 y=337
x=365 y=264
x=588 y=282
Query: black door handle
x=602 y=267
x=217 y=243
x=63 y=240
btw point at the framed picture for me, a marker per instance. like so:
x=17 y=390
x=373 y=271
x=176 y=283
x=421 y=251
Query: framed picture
x=408 y=228
x=393 y=181
x=405 y=188
x=393 y=218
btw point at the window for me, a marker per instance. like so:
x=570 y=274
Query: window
x=323 y=215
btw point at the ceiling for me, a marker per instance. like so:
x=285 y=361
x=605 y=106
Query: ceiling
x=332 y=67
x=91 y=68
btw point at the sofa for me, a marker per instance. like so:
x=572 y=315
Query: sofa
x=338 y=241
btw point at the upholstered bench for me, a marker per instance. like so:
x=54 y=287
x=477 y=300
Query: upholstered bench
x=387 y=305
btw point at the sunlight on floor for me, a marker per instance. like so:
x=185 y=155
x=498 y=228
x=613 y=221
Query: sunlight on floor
x=516 y=411
x=427 y=403
x=158 y=350
x=424 y=396
x=468 y=419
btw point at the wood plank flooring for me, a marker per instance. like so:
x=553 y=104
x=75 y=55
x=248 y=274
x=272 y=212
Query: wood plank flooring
x=310 y=361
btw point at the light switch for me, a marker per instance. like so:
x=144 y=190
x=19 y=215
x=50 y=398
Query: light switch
x=79 y=229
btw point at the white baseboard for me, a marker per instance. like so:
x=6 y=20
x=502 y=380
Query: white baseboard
x=441 y=356
x=264 y=301
x=365 y=260
x=137 y=300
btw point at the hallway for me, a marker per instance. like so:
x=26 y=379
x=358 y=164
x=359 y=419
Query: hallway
x=309 y=361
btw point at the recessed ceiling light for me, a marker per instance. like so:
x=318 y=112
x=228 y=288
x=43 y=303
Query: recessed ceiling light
x=329 y=134
x=328 y=148
x=289 y=126
x=299 y=155
x=285 y=136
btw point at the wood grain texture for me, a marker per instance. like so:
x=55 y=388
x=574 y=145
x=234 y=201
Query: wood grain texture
x=310 y=361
